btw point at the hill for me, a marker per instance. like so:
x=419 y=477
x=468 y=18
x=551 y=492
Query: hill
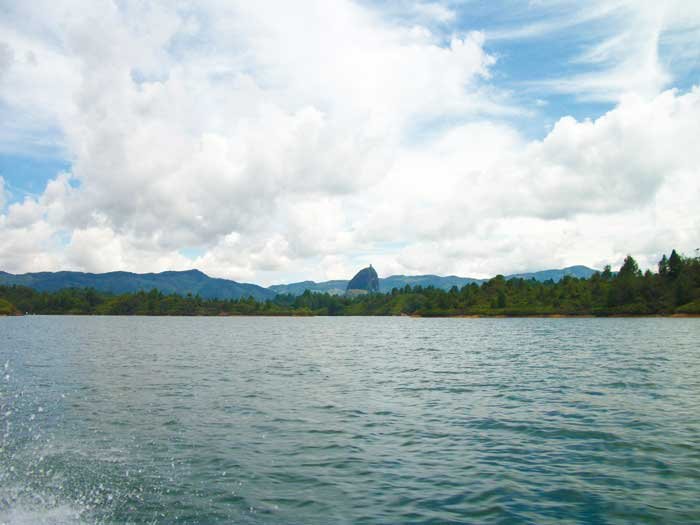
x=386 y=284
x=197 y=283
x=580 y=272
x=444 y=283
x=182 y=283
x=336 y=287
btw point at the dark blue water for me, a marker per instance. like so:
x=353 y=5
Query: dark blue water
x=349 y=420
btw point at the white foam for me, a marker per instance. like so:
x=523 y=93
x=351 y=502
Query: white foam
x=17 y=508
x=59 y=515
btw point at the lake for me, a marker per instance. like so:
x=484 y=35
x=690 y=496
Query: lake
x=349 y=420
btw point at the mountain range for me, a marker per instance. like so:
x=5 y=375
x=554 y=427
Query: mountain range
x=188 y=282
x=197 y=283
x=386 y=284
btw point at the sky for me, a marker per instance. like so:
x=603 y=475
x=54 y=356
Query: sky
x=277 y=141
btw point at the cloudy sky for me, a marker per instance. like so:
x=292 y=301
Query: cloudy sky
x=274 y=141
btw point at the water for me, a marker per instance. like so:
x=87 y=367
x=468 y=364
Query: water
x=349 y=420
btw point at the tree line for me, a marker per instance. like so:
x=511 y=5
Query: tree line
x=673 y=289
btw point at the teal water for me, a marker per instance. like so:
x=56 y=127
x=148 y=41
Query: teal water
x=349 y=420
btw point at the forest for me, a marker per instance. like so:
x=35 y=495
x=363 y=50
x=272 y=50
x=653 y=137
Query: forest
x=674 y=289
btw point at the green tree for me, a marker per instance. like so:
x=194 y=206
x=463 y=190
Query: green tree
x=502 y=301
x=629 y=268
x=675 y=265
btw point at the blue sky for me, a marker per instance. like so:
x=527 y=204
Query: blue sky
x=270 y=142
x=521 y=61
x=27 y=175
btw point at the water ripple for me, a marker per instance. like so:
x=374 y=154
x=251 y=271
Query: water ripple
x=350 y=421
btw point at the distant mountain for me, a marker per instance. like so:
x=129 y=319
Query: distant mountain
x=330 y=287
x=399 y=281
x=338 y=287
x=580 y=272
x=386 y=284
x=196 y=282
x=182 y=283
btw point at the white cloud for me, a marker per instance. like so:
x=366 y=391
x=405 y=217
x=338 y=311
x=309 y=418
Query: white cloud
x=481 y=199
x=6 y=59
x=305 y=139
x=434 y=11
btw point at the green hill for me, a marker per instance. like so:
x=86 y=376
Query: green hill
x=195 y=282
x=330 y=287
x=674 y=290
x=386 y=284
x=182 y=283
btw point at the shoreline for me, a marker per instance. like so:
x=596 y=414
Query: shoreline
x=569 y=316
x=411 y=316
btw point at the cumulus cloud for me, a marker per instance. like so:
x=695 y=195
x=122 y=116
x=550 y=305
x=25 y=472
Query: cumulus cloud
x=482 y=199
x=616 y=162
x=304 y=139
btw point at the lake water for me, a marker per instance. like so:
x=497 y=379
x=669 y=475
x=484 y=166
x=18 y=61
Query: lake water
x=349 y=420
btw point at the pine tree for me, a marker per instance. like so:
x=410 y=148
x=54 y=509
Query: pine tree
x=629 y=268
x=675 y=265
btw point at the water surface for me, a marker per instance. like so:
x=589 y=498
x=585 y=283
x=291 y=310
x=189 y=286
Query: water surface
x=349 y=420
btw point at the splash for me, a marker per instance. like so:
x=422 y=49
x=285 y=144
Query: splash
x=19 y=508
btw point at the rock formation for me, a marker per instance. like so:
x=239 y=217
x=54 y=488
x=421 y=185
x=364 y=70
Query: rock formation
x=365 y=281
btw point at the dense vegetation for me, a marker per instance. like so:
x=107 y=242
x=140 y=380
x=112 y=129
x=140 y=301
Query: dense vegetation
x=6 y=308
x=674 y=289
